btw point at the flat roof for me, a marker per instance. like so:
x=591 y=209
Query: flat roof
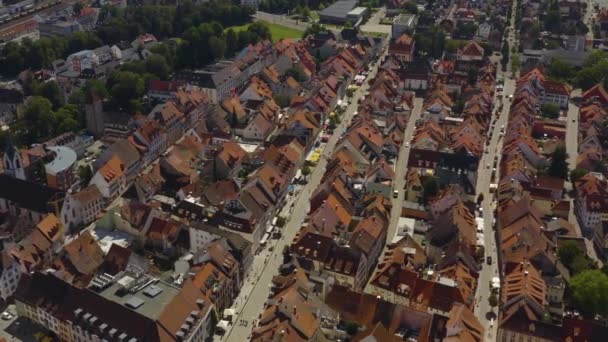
x=149 y=300
x=339 y=9
x=65 y=158
x=357 y=11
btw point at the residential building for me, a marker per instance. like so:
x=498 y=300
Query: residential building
x=111 y=179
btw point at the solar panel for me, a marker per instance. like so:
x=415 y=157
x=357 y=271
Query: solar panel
x=134 y=302
x=152 y=291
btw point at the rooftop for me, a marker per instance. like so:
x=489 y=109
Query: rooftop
x=65 y=158
x=140 y=292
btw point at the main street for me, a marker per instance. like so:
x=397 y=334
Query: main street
x=254 y=293
x=401 y=169
x=484 y=312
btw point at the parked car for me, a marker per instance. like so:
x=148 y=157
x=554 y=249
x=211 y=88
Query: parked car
x=489 y=260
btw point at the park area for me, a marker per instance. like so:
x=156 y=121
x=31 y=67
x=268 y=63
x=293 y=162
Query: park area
x=278 y=31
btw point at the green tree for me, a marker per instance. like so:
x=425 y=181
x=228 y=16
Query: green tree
x=157 y=65
x=306 y=170
x=126 y=86
x=410 y=7
x=95 y=89
x=560 y=70
x=51 y=91
x=568 y=251
x=68 y=119
x=232 y=42
x=38 y=119
x=550 y=110
x=515 y=63
x=85 y=173
x=472 y=75
x=577 y=173
x=430 y=186
x=261 y=30
x=217 y=47
x=281 y=221
x=559 y=164
x=296 y=73
x=590 y=292
x=493 y=300
x=351 y=327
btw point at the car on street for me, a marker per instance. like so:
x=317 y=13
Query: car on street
x=395 y=193
x=489 y=260
x=6 y=316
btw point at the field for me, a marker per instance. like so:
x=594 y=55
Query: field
x=278 y=31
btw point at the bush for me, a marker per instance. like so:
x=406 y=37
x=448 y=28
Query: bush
x=281 y=221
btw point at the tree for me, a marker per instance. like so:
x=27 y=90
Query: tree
x=217 y=47
x=261 y=30
x=351 y=327
x=281 y=221
x=38 y=119
x=95 y=89
x=550 y=110
x=560 y=70
x=50 y=90
x=568 y=251
x=577 y=173
x=85 y=174
x=493 y=300
x=306 y=170
x=124 y=87
x=430 y=186
x=77 y=8
x=515 y=63
x=559 y=165
x=472 y=75
x=157 y=65
x=410 y=7
x=232 y=42
x=590 y=292
x=296 y=73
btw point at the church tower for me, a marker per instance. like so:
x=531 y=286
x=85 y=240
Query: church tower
x=13 y=164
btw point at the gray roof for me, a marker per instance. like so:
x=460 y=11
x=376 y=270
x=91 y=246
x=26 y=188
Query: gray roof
x=339 y=9
x=125 y=151
x=65 y=158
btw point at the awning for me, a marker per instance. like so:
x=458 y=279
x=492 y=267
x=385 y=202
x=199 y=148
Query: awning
x=223 y=324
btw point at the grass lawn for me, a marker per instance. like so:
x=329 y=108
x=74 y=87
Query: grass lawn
x=278 y=31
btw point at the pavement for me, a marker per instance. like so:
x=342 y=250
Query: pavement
x=256 y=290
x=484 y=312
x=286 y=21
x=373 y=23
x=401 y=169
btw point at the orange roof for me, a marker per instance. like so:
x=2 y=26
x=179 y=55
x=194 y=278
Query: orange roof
x=112 y=169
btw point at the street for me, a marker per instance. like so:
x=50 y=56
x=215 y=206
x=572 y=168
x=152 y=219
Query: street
x=254 y=293
x=373 y=23
x=401 y=169
x=483 y=310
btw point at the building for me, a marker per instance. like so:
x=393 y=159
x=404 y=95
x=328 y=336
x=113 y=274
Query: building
x=220 y=80
x=60 y=171
x=9 y=275
x=402 y=48
x=592 y=201
x=57 y=27
x=27 y=200
x=111 y=179
x=82 y=207
x=134 y=307
x=342 y=11
x=404 y=23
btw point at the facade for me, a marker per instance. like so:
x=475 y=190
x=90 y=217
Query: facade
x=403 y=23
x=59 y=172
x=111 y=179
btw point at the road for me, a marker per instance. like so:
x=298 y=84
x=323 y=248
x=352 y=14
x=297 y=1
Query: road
x=265 y=265
x=401 y=169
x=373 y=23
x=284 y=20
x=483 y=309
